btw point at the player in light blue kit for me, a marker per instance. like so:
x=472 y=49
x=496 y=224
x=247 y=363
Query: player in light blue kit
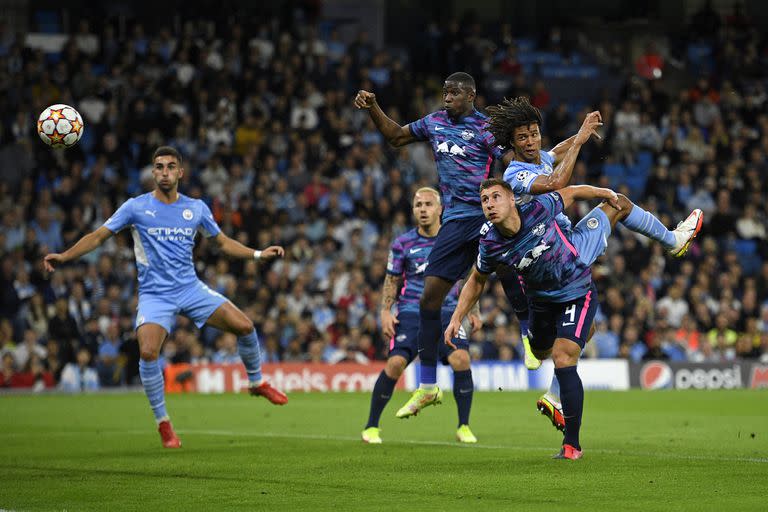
x=164 y=224
x=517 y=124
x=405 y=272
x=555 y=268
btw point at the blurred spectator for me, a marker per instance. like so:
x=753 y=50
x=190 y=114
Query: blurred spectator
x=79 y=376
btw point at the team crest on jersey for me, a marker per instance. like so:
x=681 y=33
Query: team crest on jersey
x=522 y=175
x=593 y=223
x=467 y=135
x=539 y=229
x=187 y=214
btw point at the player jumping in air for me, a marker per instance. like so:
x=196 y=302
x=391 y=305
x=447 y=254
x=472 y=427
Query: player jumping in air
x=405 y=272
x=517 y=124
x=164 y=224
x=463 y=152
x=556 y=272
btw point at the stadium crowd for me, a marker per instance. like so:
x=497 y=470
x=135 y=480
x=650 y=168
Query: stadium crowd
x=264 y=118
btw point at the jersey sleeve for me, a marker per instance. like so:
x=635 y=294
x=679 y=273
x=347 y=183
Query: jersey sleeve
x=548 y=157
x=490 y=143
x=207 y=227
x=552 y=201
x=486 y=264
x=420 y=128
x=396 y=260
x=122 y=218
x=520 y=178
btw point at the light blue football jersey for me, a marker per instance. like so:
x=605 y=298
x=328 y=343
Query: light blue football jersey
x=163 y=238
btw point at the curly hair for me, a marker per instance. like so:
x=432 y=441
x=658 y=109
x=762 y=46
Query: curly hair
x=508 y=115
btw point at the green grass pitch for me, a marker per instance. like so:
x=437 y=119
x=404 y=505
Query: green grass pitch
x=675 y=450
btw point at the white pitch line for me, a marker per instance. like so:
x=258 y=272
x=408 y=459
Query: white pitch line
x=319 y=437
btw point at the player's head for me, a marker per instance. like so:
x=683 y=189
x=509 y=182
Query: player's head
x=459 y=94
x=167 y=168
x=516 y=124
x=427 y=207
x=498 y=200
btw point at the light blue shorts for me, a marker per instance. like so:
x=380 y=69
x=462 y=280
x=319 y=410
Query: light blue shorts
x=590 y=236
x=196 y=301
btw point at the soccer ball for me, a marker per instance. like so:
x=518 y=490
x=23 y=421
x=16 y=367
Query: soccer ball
x=60 y=126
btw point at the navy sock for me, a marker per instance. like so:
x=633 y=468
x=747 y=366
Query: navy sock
x=382 y=392
x=463 y=389
x=645 y=223
x=430 y=328
x=572 y=397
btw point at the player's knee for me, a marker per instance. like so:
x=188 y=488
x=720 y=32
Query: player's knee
x=395 y=367
x=242 y=326
x=459 y=360
x=148 y=354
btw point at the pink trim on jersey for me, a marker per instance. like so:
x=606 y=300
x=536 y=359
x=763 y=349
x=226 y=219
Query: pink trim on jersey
x=391 y=343
x=565 y=241
x=488 y=168
x=583 y=314
x=522 y=283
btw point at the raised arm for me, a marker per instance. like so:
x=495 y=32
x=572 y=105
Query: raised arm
x=563 y=171
x=392 y=284
x=395 y=134
x=470 y=293
x=587 y=192
x=235 y=249
x=559 y=151
x=83 y=246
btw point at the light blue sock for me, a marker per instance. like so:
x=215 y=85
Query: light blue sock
x=248 y=348
x=152 y=380
x=645 y=223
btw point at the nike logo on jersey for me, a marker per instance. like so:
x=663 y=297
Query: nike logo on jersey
x=438 y=128
x=415 y=250
x=151 y=213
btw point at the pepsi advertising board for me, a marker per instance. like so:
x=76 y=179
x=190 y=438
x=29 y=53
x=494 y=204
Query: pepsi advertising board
x=665 y=375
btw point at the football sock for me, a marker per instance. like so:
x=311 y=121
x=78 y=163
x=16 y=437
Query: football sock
x=572 y=396
x=554 y=388
x=430 y=328
x=248 y=348
x=645 y=223
x=152 y=380
x=463 y=389
x=382 y=392
x=523 y=325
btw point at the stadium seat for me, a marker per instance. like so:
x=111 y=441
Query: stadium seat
x=47 y=21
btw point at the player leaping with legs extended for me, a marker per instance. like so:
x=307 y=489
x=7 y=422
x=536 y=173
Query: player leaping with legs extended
x=557 y=276
x=405 y=272
x=164 y=224
x=517 y=124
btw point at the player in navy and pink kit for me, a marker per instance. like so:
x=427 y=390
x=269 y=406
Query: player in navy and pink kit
x=463 y=152
x=555 y=268
x=405 y=273
x=164 y=224
x=516 y=124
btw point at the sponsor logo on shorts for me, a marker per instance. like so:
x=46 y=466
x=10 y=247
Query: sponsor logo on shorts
x=400 y=337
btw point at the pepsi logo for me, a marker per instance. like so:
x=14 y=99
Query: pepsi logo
x=656 y=375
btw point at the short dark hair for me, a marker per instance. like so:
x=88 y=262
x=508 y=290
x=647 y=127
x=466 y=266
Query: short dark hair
x=511 y=114
x=492 y=182
x=167 y=151
x=462 y=78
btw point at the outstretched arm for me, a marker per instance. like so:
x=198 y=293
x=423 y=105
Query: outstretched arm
x=470 y=293
x=562 y=173
x=395 y=134
x=235 y=249
x=83 y=246
x=562 y=148
x=587 y=192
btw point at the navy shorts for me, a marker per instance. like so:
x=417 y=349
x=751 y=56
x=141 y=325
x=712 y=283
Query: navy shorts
x=455 y=249
x=570 y=320
x=405 y=343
